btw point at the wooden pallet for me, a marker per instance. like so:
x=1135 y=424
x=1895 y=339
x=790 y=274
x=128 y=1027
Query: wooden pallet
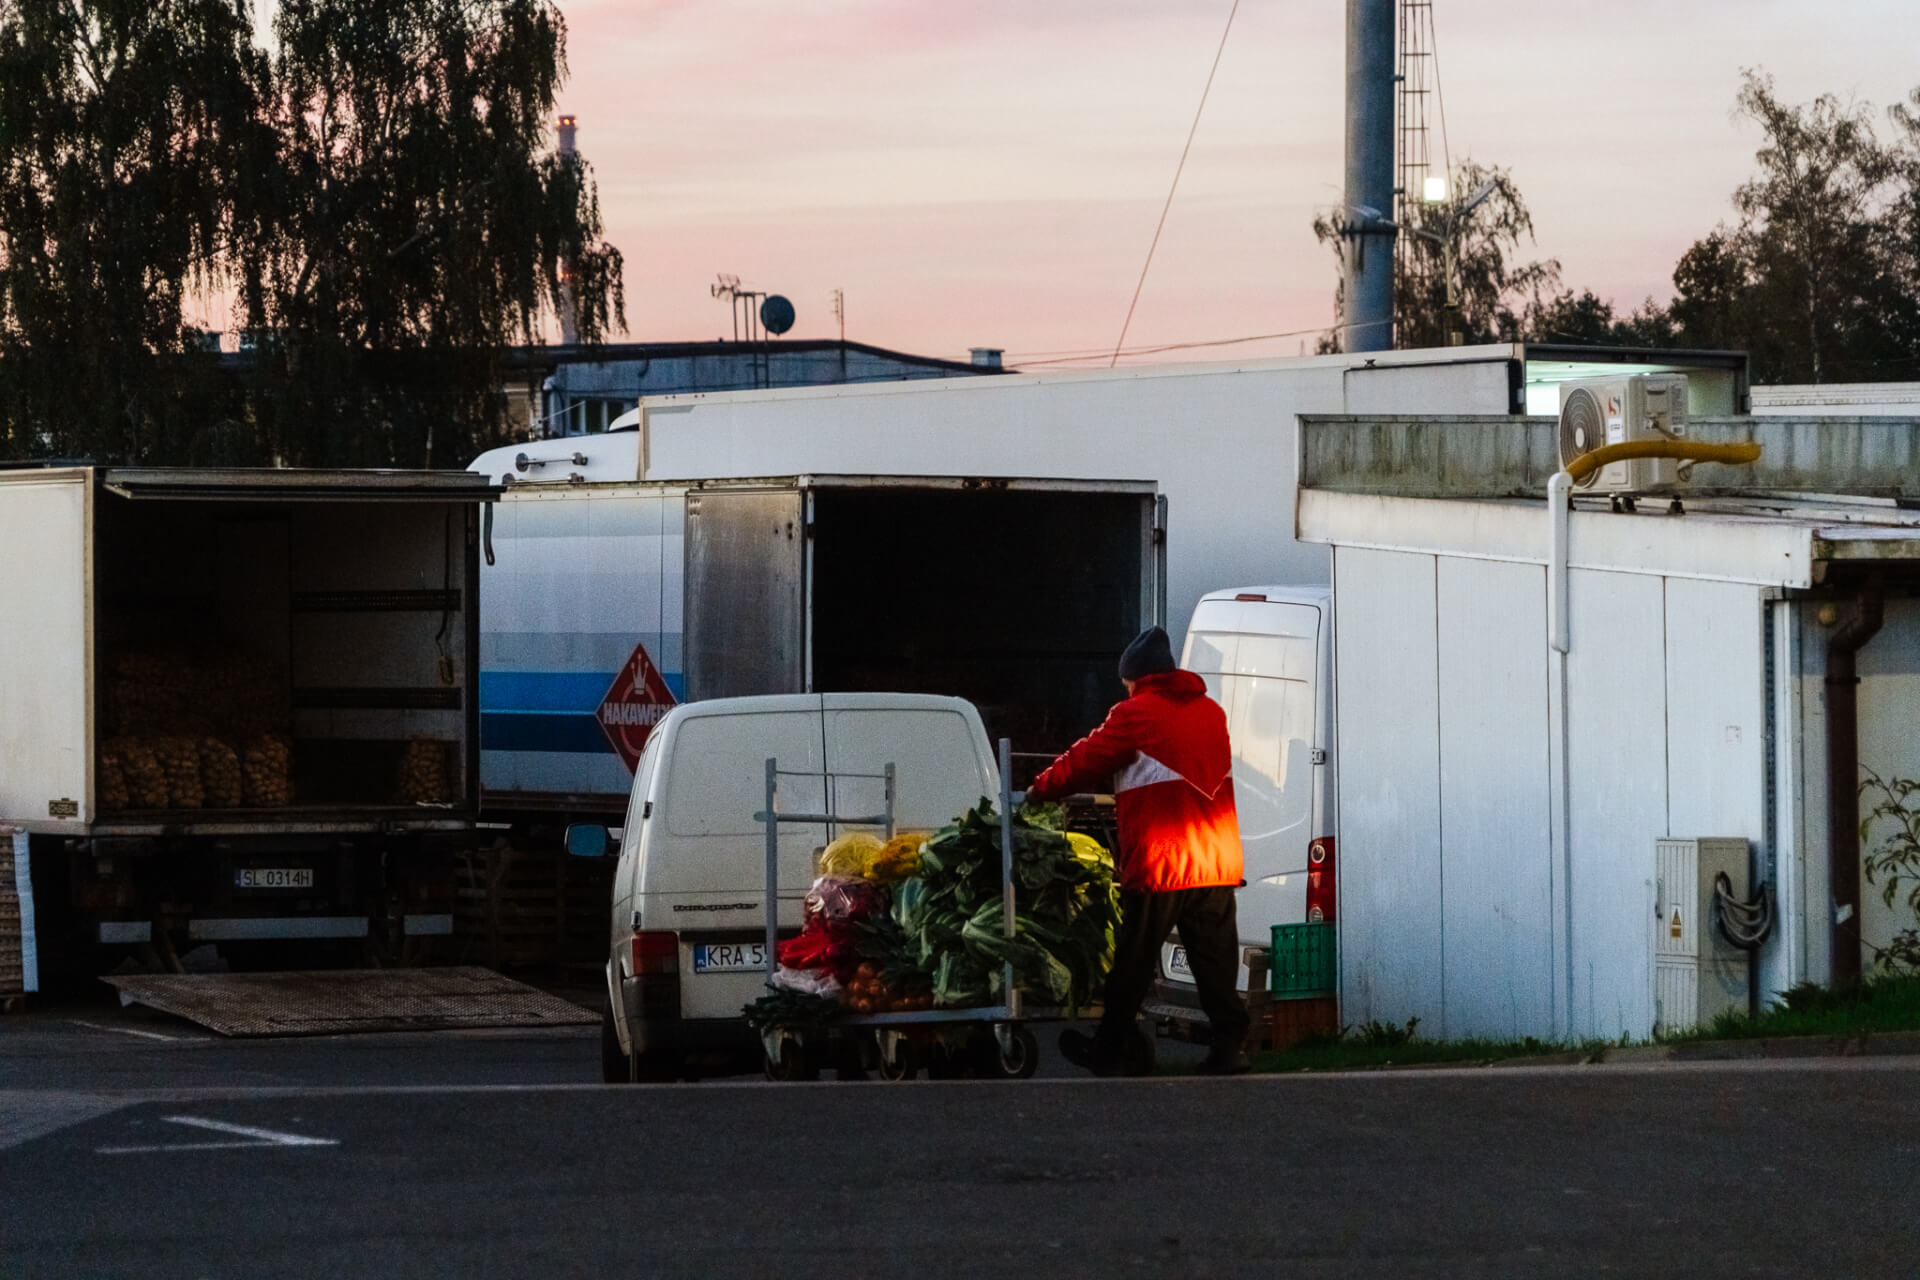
x=526 y=909
x=12 y=961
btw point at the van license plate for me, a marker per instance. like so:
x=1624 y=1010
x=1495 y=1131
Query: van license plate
x=273 y=878
x=1177 y=966
x=730 y=957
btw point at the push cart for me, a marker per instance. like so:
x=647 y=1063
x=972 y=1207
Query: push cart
x=1000 y=1044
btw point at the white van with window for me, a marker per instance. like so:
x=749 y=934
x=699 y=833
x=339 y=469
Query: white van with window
x=1266 y=654
x=689 y=894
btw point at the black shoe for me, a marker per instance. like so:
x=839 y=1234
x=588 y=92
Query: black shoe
x=1224 y=1064
x=1080 y=1049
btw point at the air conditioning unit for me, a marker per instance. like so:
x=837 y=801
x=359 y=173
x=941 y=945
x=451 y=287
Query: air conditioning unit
x=1603 y=411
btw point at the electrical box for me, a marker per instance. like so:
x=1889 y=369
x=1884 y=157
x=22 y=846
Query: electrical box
x=1697 y=973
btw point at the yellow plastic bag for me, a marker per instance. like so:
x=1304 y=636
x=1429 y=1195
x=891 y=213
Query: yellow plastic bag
x=850 y=855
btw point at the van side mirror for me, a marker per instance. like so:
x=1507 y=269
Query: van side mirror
x=588 y=840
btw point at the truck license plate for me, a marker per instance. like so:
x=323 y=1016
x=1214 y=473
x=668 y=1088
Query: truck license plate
x=730 y=957
x=1177 y=966
x=273 y=878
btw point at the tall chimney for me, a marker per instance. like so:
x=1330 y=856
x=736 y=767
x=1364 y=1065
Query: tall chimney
x=569 y=312
x=1368 y=267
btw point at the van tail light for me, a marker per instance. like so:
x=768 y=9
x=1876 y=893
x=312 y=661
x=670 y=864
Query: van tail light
x=1320 y=897
x=656 y=953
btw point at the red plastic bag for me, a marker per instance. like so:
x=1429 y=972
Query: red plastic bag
x=825 y=943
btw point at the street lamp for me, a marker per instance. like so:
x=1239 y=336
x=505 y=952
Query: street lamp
x=1448 y=243
x=1435 y=189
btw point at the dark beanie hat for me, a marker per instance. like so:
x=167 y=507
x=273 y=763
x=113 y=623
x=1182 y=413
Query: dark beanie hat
x=1149 y=654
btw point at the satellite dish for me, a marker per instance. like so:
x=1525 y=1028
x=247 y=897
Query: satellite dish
x=776 y=313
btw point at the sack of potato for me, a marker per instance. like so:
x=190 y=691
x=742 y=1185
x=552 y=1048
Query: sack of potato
x=180 y=760
x=425 y=776
x=111 y=781
x=220 y=775
x=141 y=772
x=266 y=772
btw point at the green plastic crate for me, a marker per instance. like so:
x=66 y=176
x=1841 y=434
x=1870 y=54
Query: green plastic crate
x=1306 y=961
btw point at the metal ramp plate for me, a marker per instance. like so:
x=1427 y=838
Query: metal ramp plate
x=331 y=1002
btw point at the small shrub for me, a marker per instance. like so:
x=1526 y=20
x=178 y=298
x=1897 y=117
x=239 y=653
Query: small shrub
x=1386 y=1035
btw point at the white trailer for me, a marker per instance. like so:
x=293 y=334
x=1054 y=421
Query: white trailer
x=1529 y=740
x=1220 y=439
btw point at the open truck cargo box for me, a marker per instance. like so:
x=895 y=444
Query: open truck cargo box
x=611 y=602
x=265 y=650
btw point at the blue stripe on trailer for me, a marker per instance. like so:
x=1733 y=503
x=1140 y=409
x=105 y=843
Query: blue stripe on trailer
x=577 y=691
x=534 y=731
x=557 y=691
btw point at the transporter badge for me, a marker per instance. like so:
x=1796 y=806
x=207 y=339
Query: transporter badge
x=637 y=701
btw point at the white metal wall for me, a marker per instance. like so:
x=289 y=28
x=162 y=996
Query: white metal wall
x=1449 y=879
x=1617 y=806
x=46 y=634
x=1497 y=867
x=1387 y=722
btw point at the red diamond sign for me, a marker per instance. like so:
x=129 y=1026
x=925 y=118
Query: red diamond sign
x=637 y=701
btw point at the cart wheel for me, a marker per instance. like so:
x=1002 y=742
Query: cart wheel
x=793 y=1064
x=906 y=1060
x=1017 y=1059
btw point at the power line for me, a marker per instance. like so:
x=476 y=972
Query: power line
x=1185 y=346
x=1175 y=186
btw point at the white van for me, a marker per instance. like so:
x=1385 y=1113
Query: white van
x=1266 y=654
x=689 y=895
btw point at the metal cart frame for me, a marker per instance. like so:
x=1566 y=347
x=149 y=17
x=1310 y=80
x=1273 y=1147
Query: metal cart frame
x=1018 y=1050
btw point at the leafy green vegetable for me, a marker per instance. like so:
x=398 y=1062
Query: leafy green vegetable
x=797 y=1010
x=947 y=922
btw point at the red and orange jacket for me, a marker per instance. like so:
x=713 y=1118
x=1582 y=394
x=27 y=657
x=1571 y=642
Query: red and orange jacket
x=1164 y=752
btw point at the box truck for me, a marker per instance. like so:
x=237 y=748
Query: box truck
x=609 y=602
x=238 y=706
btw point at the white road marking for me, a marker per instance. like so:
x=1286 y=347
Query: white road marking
x=25 y=1116
x=260 y=1138
x=125 y=1031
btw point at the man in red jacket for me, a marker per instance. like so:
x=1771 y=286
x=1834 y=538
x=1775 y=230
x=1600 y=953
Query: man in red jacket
x=1164 y=754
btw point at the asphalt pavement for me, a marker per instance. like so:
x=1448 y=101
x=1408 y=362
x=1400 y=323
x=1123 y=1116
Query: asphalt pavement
x=479 y=1153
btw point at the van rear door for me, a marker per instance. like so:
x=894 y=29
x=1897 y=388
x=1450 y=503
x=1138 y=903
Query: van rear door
x=703 y=875
x=937 y=746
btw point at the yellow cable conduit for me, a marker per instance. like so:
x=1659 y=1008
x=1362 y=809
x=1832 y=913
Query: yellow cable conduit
x=1686 y=450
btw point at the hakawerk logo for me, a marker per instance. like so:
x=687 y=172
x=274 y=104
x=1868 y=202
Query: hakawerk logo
x=636 y=702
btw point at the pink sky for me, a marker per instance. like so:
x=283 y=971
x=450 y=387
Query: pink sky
x=989 y=173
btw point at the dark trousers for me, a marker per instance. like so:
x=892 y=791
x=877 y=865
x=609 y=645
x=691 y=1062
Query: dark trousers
x=1211 y=935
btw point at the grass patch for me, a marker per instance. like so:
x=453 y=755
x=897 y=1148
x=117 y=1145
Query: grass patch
x=1376 y=1045
x=1348 y=1054
x=1888 y=1002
